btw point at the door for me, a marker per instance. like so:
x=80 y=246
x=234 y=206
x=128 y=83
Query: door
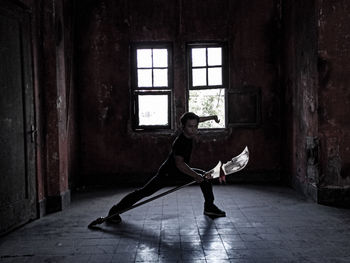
x=17 y=140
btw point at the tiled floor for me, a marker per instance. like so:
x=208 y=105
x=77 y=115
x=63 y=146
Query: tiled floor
x=263 y=224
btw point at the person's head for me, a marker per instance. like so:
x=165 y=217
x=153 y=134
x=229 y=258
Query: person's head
x=189 y=122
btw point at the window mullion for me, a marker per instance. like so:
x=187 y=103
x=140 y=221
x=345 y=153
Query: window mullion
x=153 y=92
x=152 y=68
x=210 y=98
x=206 y=66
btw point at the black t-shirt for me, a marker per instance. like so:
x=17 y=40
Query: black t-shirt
x=181 y=146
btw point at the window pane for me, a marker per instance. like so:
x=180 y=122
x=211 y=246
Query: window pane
x=144 y=77
x=214 y=76
x=160 y=77
x=144 y=58
x=199 y=77
x=208 y=102
x=214 y=56
x=160 y=58
x=198 y=57
x=153 y=109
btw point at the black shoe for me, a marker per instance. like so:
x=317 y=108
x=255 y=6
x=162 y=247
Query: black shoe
x=114 y=216
x=114 y=220
x=212 y=210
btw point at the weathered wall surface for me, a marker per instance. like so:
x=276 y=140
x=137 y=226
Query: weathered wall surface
x=315 y=80
x=52 y=46
x=288 y=86
x=34 y=7
x=92 y=63
x=299 y=64
x=334 y=94
x=105 y=29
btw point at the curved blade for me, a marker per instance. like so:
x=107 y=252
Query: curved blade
x=237 y=163
x=216 y=170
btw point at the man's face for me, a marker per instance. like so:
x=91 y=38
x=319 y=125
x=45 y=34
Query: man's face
x=191 y=128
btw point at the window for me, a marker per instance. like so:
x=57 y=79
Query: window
x=207 y=82
x=152 y=86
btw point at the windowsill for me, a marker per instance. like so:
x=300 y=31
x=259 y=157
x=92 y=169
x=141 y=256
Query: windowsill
x=205 y=130
x=205 y=133
x=214 y=132
x=212 y=129
x=160 y=132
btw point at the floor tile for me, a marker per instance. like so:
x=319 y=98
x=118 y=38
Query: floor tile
x=263 y=224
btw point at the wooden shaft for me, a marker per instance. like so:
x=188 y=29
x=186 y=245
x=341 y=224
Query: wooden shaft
x=150 y=199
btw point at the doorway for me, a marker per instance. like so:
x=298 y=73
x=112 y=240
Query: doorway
x=17 y=131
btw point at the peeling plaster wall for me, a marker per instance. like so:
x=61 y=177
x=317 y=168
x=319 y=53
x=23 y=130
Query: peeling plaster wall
x=315 y=76
x=334 y=92
x=300 y=89
x=109 y=149
x=55 y=106
x=71 y=100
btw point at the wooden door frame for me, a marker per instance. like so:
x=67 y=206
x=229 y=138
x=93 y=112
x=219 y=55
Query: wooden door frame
x=24 y=210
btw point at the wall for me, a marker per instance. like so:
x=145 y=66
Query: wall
x=52 y=45
x=334 y=101
x=300 y=93
x=316 y=95
x=59 y=109
x=86 y=68
x=72 y=125
x=109 y=150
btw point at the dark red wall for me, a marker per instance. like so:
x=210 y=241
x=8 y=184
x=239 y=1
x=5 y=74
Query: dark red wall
x=109 y=149
x=299 y=64
x=317 y=96
x=334 y=92
x=296 y=52
x=55 y=103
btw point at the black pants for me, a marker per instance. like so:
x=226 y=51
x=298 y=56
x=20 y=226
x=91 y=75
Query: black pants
x=156 y=183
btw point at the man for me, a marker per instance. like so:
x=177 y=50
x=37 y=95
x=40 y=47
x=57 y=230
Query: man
x=176 y=165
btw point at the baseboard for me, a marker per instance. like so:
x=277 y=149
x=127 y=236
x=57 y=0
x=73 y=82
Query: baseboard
x=41 y=206
x=334 y=196
x=58 y=202
x=312 y=192
x=301 y=188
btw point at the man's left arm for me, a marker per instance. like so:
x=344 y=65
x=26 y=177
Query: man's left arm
x=208 y=118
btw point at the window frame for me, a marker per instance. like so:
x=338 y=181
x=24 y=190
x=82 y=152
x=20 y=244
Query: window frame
x=225 y=75
x=136 y=91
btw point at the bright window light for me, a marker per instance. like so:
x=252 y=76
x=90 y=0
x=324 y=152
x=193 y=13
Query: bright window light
x=152 y=67
x=160 y=58
x=152 y=88
x=144 y=58
x=208 y=102
x=206 y=89
x=160 y=77
x=198 y=57
x=153 y=110
x=144 y=77
x=199 y=77
x=214 y=56
x=214 y=76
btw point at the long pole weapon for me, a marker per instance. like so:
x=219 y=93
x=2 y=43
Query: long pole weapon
x=234 y=165
x=100 y=220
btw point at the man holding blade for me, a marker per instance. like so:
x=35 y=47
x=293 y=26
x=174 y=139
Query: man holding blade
x=176 y=165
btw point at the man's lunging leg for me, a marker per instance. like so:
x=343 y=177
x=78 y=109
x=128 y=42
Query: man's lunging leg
x=210 y=208
x=151 y=187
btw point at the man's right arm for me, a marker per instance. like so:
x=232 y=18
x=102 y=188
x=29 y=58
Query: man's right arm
x=184 y=168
